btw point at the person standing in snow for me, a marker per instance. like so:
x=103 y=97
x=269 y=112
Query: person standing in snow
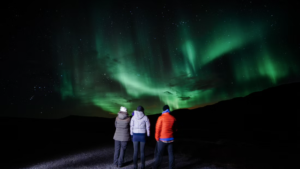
x=139 y=128
x=164 y=130
x=121 y=136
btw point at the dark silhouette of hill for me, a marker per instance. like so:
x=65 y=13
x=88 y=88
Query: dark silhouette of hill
x=271 y=114
x=266 y=118
x=274 y=110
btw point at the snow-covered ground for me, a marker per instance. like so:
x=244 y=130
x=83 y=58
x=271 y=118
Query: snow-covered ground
x=189 y=154
x=102 y=157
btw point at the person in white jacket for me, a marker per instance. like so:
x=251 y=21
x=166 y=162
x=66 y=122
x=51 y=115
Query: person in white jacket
x=139 y=128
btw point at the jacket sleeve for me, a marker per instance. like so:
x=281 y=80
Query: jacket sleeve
x=148 y=126
x=158 y=129
x=131 y=126
x=116 y=123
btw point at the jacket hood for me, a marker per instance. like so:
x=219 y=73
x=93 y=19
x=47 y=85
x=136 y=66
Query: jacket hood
x=122 y=115
x=138 y=114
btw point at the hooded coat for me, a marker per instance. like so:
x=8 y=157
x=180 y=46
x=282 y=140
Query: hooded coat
x=139 y=123
x=122 y=127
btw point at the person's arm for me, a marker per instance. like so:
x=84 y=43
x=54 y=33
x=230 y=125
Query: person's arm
x=158 y=129
x=131 y=126
x=148 y=126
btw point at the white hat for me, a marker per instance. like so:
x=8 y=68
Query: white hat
x=123 y=109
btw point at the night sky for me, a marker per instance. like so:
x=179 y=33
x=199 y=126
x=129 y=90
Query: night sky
x=90 y=58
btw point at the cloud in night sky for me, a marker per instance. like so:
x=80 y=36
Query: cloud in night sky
x=184 y=98
x=167 y=92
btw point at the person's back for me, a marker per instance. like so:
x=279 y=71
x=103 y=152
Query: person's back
x=139 y=129
x=164 y=135
x=121 y=136
x=122 y=127
x=165 y=127
x=139 y=123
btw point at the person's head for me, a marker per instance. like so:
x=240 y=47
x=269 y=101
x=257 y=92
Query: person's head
x=166 y=107
x=123 y=109
x=140 y=108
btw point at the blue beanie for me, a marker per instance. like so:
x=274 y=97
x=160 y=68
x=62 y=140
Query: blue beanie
x=140 y=108
x=166 y=107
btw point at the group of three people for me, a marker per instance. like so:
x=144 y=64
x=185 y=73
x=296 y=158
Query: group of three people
x=138 y=128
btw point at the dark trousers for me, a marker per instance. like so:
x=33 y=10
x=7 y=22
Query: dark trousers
x=120 y=147
x=135 y=153
x=159 y=156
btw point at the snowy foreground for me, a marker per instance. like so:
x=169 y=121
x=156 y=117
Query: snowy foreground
x=102 y=157
x=205 y=155
x=98 y=158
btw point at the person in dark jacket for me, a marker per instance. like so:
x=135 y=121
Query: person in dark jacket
x=164 y=135
x=139 y=129
x=121 y=136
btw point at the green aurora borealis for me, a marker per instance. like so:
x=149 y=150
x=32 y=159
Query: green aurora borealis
x=183 y=56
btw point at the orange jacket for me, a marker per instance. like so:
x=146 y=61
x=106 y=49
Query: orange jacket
x=164 y=126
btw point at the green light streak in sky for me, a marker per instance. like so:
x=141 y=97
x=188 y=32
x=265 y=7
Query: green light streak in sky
x=271 y=68
x=131 y=67
x=67 y=87
x=263 y=64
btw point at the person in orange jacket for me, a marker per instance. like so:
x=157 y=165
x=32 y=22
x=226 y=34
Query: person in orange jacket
x=164 y=129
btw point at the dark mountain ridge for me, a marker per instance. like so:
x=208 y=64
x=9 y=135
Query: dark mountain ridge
x=274 y=110
x=266 y=119
x=269 y=115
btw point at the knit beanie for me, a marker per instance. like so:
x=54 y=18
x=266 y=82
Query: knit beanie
x=140 y=108
x=166 y=107
x=123 y=109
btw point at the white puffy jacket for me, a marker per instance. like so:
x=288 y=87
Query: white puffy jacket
x=139 y=123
